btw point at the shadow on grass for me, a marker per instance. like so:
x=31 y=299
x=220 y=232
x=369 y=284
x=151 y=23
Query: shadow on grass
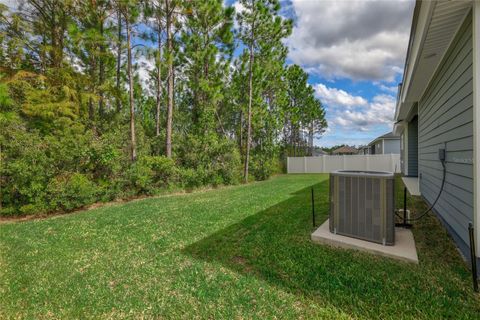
x=274 y=245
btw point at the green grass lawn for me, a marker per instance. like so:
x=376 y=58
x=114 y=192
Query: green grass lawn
x=238 y=252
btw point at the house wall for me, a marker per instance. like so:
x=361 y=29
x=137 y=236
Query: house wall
x=445 y=121
x=476 y=123
x=391 y=146
x=404 y=150
x=413 y=145
x=377 y=147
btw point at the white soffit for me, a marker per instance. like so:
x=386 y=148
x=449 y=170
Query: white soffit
x=446 y=18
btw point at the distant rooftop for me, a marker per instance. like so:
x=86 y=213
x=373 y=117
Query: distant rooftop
x=389 y=135
x=345 y=150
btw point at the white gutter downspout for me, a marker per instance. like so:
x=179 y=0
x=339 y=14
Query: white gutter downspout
x=476 y=123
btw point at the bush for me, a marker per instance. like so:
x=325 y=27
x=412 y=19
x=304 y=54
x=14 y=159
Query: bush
x=26 y=168
x=190 y=178
x=228 y=165
x=163 y=170
x=262 y=168
x=105 y=159
x=138 y=179
x=70 y=191
x=109 y=190
x=150 y=174
x=31 y=208
x=214 y=161
x=9 y=211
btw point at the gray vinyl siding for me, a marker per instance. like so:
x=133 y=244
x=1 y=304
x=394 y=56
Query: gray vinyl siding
x=445 y=121
x=391 y=146
x=413 y=147
x=402 y=152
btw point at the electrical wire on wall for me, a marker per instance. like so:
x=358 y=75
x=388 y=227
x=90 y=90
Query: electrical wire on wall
x=436 y=199
x=442 y=160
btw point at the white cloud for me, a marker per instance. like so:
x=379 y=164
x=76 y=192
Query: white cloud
x=390 y=89
x=351 y=113
x=359 y=40
x=144 y=68
x=378 y=112
x=238 y=7
x=336 y=97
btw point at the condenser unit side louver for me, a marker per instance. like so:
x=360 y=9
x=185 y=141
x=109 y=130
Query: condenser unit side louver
x=362 y=205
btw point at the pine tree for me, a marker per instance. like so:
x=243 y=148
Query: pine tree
x=75 y=104
x=154 y=13
x=119 y=47
x=50 y=20
x=261 y=30
x=130 y=13
x=302 y=112
x=88 y=36
x=170 y=7
x=208 y=45
x=315 y=122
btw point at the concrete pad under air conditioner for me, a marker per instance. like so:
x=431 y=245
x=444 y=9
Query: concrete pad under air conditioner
x=404 y=248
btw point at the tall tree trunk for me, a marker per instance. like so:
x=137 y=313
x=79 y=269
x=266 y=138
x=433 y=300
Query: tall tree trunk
x=294 y=141
x=159 y=80
x=240 y=134
x=91 y=105
x=249 y=112
x=119 y=60
x=101 y=76
x=91 y=114
x=168 y=138
x=43 y=57
x=310 y=138
x=130 y=84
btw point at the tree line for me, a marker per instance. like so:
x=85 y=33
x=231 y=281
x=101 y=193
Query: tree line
x=109 y=99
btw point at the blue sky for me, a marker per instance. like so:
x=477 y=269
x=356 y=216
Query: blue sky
x=354 y=52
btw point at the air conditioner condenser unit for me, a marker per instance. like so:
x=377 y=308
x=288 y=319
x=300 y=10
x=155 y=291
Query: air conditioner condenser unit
x=362 y=205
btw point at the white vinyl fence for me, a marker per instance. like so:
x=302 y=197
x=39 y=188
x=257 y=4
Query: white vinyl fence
x=327 y=164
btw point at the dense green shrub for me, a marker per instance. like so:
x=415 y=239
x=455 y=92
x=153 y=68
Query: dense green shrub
x=70 y=191
x=262 y=167
x=229 y=167
x=68 y=167
x=214 y=161
x=56 y=160
x=26 y=168
x=138 y=179
x=151 y=174
x=74 y=115
x=5 y=101
x=105 y=159
x=190 y=178
x=163 y=170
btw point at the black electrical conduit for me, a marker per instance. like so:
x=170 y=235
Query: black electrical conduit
x=473 y=257
x=436 y=199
